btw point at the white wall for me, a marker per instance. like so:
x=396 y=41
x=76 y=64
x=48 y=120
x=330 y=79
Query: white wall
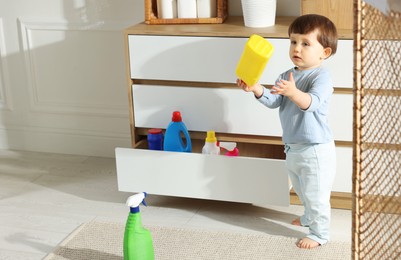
x=62 y=73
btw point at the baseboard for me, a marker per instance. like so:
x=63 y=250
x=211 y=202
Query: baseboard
x=63 y=141
x=339 y=200
x=371 y=203
x=381 y=203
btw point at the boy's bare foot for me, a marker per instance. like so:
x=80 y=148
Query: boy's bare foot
x=307 y=243
x=296 y=222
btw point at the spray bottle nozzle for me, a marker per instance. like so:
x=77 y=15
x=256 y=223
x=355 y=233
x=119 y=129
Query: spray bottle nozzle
x=135 y=200
x=231 y=148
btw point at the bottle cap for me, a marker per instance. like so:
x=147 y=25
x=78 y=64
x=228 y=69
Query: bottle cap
x=177 y=116
x=211 y=137
x=154 y=131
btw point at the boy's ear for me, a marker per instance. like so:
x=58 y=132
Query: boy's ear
x=327 y=52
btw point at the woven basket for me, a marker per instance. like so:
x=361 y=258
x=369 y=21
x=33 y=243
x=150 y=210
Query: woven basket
x=151 y=15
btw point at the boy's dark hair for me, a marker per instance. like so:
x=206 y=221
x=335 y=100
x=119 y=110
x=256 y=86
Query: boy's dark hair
x=327 y=35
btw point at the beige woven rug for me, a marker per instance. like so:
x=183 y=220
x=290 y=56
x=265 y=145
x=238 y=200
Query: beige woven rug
x=104 y=241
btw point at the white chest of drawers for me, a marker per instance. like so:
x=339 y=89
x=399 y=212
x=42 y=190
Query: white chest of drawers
x=191 y=68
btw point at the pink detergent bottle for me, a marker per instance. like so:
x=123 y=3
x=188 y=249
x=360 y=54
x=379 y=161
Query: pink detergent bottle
x=230 y=147
x=173 y=140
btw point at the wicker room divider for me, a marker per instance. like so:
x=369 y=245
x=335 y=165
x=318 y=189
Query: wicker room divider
x=377 y=134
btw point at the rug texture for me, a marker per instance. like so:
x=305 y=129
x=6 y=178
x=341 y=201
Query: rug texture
x=104 y=241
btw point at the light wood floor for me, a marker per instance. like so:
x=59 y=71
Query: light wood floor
x=44 y=197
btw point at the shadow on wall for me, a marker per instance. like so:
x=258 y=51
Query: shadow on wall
x=62 y=78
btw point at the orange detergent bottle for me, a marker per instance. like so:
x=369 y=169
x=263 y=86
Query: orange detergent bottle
x=256 y=54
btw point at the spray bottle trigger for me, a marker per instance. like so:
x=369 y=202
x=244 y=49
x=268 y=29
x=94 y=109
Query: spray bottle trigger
x=143 y=201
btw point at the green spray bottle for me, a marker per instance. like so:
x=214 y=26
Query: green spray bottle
x=138 y=243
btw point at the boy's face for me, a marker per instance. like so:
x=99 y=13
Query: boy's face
x=306 y=52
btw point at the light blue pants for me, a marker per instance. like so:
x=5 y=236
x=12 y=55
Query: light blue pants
x=311 y=168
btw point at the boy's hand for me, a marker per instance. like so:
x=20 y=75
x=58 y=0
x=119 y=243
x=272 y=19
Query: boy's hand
x=289 y=89
x=257 y=89
x=285 y=87
x=243 y=85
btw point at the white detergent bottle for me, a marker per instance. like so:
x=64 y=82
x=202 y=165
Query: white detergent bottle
x=210 y=146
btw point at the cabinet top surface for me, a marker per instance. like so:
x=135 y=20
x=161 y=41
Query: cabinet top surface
x=232 y=27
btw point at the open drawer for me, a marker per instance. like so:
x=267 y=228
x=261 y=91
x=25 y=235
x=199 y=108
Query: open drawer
x=239 y=179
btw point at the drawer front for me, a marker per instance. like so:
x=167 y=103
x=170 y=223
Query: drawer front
x=224 y=110
x=204 y=59
x=341 y=116
x=203 y=109
x=341 y=64
x=238 y=179
x=214 y=59
x=343 y=179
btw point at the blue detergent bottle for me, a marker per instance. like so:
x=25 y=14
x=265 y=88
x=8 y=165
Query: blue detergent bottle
x=173 y=140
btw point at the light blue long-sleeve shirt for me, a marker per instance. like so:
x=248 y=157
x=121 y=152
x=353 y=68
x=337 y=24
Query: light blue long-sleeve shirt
x=310 y=125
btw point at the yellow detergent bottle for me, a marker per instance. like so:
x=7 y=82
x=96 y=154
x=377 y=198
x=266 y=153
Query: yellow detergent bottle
x=256 y=54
